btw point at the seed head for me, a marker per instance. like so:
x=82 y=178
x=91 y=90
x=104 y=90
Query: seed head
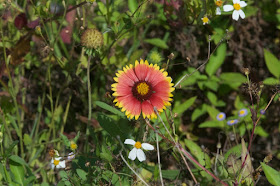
x=92 y=38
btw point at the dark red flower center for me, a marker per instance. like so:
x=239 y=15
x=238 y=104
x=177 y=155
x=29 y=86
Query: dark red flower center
x=142 y=90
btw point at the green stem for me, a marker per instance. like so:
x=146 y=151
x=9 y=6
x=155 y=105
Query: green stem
x=89 y=103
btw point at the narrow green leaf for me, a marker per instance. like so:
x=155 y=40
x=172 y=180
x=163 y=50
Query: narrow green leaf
x=157 y=42
x=272 y=175
x=271 y=81
x=216 y=60
x=65 y=140
x=18 y=160
x=109 y=108
x=272 y=63
x=26 y=139
x=212 y=124
x=180 y=108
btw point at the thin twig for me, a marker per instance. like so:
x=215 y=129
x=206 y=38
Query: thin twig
x=132 y=169
x=159 y=165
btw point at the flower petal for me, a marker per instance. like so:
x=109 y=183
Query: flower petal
x=132 y=154
x=228 y=8
x=147 y=109
x=129 y=142
x=235 y=15
x=141 y=155
x=130 y=104
x=147 y=146
x=61 y=165
x=236 y=1
x=241 y=13
x=218 y=11
x=141 y=69
x=243 y=4
x=157 y=102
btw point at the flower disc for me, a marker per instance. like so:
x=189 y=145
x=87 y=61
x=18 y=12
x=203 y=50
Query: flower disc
x=141 y=88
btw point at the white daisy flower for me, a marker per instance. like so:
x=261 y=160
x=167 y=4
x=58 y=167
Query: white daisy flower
x=218 y=11
x=137 y=151
x=56 y=163
x=237 y=5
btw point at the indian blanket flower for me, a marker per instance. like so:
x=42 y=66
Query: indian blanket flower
x=232 y=122
x=205 y=20
x=242 y=112
x=141 y=88
x=221 y=116
x=236 y=7
x=219 y=3
x=56 y=163
x=137 y=151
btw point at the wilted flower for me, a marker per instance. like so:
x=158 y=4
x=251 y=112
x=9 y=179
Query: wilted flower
x=92 y=38
x=242 y=112
x=56 y=163
x=232 y=122
x=221 y=116
x=237 y=5
x=205 y=20
x=140 y=88
x=136 y=151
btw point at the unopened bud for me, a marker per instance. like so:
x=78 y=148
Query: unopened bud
x=171 y=56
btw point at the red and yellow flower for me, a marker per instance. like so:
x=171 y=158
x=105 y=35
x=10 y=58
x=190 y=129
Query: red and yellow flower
x=141 y=88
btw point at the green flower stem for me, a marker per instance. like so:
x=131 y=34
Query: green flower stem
x=89 y=103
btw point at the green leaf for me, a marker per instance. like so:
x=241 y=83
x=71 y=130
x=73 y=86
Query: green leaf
x=18 y=172
x=212 y=97
x=201 y=156
x=272 y=175
x=65 y=140
x=232 y=77
x=10 y=149
x=18 y=160
x=212 y=124
x=179 y=109
x=82 y=174
x=108 y=124
x=102 y=8
x=236 y=150
x=272 y=63
x=198 y=112
x=167 y=174
x=213 y=112
x=157 y=42
x=109 y=108
x=271 y=81
x=76 y=137
x=26 y=139
x=132 y=5
x=260 y=131
x=216 y=60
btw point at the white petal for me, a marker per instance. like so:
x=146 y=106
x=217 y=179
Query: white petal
x=241 y=13
x=61 y=165
x=141 y=155
x=236 y=1
x=235 y=15
x=129 y=142
x=228 y=8
x=132 y=154
x=243 y=4
x=147 y=146
x=52 y=166
x=218 y=11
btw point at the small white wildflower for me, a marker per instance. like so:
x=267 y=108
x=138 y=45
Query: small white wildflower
x=137 y=151
x=205 y=20
x=71 y=156
x=56 y=163
x=237 y=5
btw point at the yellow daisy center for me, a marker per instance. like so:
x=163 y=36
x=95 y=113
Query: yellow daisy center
x=231 y=121
x=142 y=88
x=242 y=112
x=219 y=3
x=137 y=145
x=55 y=162
x=221 y=116
x=205 y=20
x=236 y=6
x=73 y=146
